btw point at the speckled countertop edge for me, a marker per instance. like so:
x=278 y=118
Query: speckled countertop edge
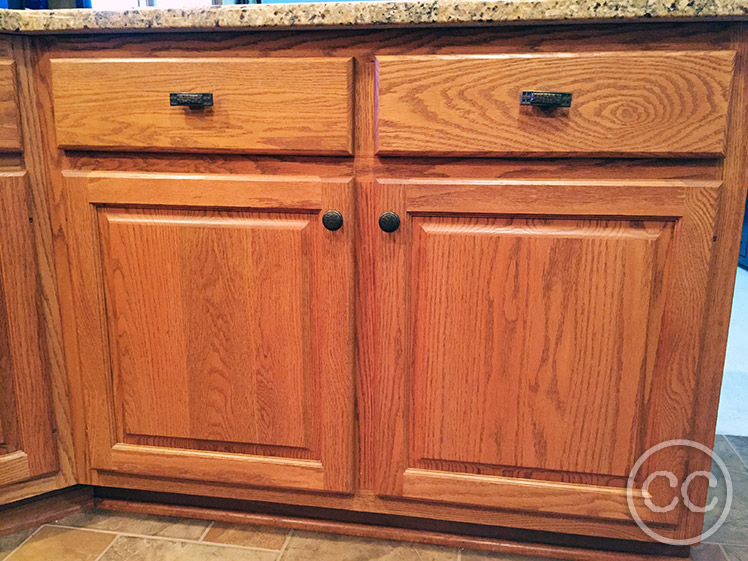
x=388 y=13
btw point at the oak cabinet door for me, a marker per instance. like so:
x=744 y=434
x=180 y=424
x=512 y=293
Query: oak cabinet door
x=226 y=306
x=28 y=448
x=532 y=340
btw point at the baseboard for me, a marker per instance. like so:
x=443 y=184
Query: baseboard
x=32 y=512
x=572 y=548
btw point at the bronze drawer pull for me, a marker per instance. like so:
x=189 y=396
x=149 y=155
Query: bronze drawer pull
x=191 y=100
x=545 y=99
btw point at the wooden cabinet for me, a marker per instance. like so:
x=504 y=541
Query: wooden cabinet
x=226 y=315
x=27 y=431
x=535 y=331
x=552 y=304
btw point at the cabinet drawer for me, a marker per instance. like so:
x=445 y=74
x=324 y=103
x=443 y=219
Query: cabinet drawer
x=666 y=104
x=262 y=105
x=10 y=132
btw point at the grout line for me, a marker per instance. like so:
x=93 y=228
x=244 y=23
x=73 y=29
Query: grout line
x=722 y=551
x=166 y=538
x=111 y=543
x=24 y=541
x=207 y=529
x=285 y=545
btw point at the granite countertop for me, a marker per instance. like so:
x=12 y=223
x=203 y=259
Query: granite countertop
x=372 y=14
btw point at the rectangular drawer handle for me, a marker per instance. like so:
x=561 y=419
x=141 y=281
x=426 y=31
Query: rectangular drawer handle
x=545 y=99
x=191 y=100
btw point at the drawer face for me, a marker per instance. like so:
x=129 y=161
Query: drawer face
x=10 y=132
x=262 y=105
x=664 y=104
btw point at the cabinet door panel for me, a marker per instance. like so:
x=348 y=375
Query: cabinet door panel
x=554 y=315
x=529 y=344
x=229 y=339
x=27 y=444
x=212 y=347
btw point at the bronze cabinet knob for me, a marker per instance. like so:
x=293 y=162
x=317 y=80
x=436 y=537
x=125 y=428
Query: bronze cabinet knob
x=332 y=220
x=389 y=222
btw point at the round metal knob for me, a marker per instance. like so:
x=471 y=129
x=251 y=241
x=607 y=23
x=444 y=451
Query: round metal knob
x=389 y=221
x=332 y=220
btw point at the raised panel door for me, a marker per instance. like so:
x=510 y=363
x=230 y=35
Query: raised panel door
x=533 y=332
x=226 y=306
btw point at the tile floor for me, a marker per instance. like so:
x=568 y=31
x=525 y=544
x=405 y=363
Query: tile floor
x=109 y=536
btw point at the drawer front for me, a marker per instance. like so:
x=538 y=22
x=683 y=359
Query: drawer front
x=263 y=105
x=10 y=131
x=666 y=104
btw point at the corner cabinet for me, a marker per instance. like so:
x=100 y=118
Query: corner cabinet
x=221 y=327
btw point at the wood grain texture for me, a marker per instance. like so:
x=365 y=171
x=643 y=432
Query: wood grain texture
x=301 y=105
x=51 y=506
x=14 y=467
x=225 y=326
x=496 y=370
x=721 y=275
x=9 y=432
x=384 y=262
x=33 y=423
x=208 y=315
x=10 y=130
x=547 y=316
x=364 y=501
x=552 y=197
x=215 y=466
x=669 y=104
x=566 y=499
x=239 y=191
x=39 y=157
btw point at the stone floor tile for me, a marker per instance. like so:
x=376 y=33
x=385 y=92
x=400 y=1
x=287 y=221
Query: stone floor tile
x=736 y=553
x=469 y=555
x=734 y=530
x=10 y=542
x=62 y=544
x=707 y=552
x=313 y=546
x=127 y=548
x=141 y=524
x=247 y=535
x=740 y=444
